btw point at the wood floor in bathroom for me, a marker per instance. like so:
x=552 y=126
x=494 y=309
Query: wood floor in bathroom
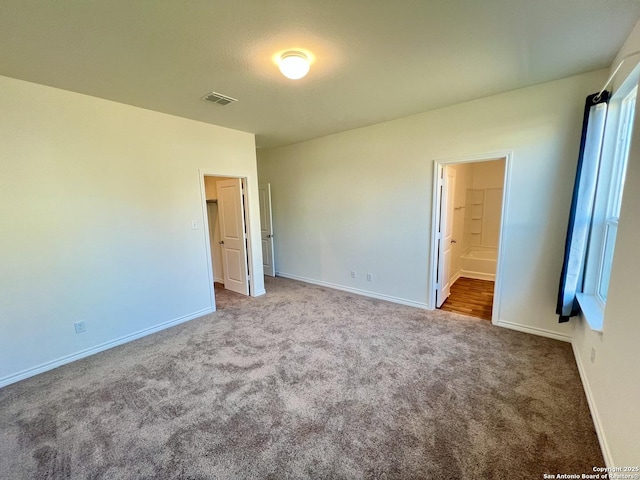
x=471 y=297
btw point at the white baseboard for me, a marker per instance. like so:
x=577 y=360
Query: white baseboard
x=455 y=278
x=357 y=291
x=478 y=275
x=535 y=331
x=99 y=348
x=604 y=446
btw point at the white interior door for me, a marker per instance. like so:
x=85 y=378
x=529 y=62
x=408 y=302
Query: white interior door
x=446 y=192
x=266 y=229
x=233 y=235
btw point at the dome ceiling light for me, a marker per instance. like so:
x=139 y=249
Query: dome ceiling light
x=294 y=64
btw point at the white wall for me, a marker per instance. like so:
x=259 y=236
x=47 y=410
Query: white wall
x=97 y=200
x=488 y=174
x=361 y=200
x=613 y=380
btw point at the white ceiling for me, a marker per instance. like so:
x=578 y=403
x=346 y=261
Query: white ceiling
x=375 y=60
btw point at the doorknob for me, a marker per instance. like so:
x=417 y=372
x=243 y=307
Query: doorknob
x=454 y=241
x=269 y=236
x=221 y=242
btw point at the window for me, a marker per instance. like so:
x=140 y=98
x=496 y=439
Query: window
x=608 y=200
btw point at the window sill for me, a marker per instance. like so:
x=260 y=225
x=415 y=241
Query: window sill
x=592 y=311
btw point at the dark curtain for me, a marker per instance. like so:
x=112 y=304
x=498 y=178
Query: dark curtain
x=584 y=190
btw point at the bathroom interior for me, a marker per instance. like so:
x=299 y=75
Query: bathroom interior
x=477 y=212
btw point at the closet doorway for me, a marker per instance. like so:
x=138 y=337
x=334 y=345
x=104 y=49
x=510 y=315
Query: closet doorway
x=468 y=226
x=228 y=239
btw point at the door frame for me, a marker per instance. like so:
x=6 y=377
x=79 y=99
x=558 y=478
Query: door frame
x=205 y=216
x=507 y=155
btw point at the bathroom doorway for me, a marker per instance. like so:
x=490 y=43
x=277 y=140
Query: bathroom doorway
x=468 y=216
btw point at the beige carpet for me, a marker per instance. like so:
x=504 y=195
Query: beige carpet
x=306 y=382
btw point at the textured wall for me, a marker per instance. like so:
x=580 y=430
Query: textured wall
x=361 y=200
x=97 y=204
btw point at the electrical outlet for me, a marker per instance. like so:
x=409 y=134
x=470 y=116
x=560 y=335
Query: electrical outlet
x=354 y=274
x=80 y=327
x=593 y=354
x=369 y=277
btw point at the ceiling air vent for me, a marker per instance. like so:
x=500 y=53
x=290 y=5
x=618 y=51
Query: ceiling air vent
x=218 y=98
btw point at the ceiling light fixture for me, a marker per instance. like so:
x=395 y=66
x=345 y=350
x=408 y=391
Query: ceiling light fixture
x=294 y=64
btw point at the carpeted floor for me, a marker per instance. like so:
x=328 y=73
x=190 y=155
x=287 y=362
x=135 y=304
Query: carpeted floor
x=306 y=382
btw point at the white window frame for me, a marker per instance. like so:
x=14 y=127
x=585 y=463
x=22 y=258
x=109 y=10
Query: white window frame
x=606 y=213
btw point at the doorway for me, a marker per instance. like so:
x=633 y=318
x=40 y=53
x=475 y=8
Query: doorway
x=469 y=208
x=229 y=246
